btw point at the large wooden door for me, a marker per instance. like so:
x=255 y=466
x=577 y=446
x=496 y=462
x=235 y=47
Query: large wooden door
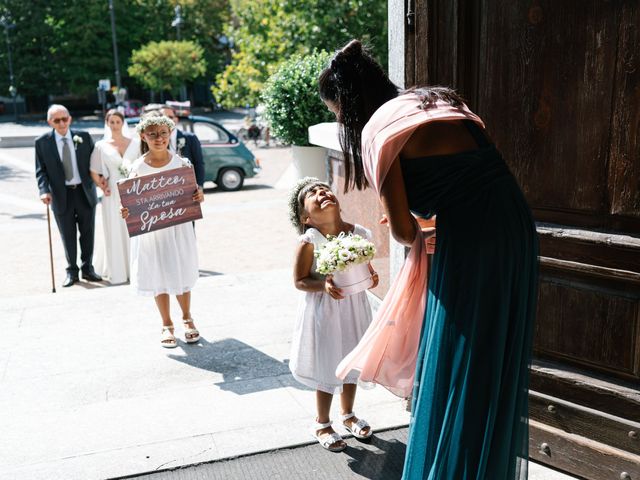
x=558 y=85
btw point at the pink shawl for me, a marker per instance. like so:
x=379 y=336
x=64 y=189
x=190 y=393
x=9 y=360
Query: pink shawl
x=387 y=352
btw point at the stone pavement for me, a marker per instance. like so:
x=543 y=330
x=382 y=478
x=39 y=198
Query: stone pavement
x=91 y=393
x=380 y=458
x=86 y=392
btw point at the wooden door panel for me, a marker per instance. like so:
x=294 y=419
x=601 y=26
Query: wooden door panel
x=557 y=77
x=588 y=325
x=624 y=163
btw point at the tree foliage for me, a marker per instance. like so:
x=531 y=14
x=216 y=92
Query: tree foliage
x=267 y=32
x=291 y=99
x=167 y=65
x=64 y=46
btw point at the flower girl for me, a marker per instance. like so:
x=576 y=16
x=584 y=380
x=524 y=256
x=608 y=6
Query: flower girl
x=164 y=262
x=329 y=323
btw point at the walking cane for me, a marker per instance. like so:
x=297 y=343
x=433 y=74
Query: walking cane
x=53 y=282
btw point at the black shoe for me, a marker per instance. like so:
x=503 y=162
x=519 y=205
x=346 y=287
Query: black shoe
x=91 y=276
x=70 y=280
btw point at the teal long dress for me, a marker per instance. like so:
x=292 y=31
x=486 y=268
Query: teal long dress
x=470 y=409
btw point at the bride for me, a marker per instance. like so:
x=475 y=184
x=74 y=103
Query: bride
x=110 y=162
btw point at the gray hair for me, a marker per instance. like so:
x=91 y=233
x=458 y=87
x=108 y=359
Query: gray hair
x=56 y=108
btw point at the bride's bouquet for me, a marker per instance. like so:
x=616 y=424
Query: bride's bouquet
x=346 y=257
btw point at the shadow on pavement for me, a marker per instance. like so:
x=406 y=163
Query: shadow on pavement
x=208 y=273
x=237 y=362
x=8 y=173
x=386 y=459
x=30 y=216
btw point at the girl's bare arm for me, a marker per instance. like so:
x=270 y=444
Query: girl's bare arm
x=302 y=270
x=302 y=278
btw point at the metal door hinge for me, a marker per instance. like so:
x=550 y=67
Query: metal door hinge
x=411 y=14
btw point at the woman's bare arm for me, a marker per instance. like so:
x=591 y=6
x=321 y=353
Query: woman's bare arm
x=101 y=182
x=396 y=206
x=96 y=177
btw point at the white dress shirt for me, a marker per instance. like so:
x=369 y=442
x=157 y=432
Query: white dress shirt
x=173 y=140
x=75 y=180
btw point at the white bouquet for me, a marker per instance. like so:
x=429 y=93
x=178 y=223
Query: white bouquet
x=346 y=257
x=340 y=252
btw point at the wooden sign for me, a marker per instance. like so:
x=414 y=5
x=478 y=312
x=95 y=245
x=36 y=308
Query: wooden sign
x=159 y=200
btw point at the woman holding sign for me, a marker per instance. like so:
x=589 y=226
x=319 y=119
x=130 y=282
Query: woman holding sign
x=164 y=262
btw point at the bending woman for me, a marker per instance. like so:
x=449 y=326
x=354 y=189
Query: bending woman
x=463 y=343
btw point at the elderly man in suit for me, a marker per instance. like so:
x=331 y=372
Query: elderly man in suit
x=62 y=171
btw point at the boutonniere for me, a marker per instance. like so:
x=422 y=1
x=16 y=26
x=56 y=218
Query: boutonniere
x=124 y=170
x=181 y=144
x=77 y=139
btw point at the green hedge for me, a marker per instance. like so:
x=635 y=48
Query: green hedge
x=291 y=98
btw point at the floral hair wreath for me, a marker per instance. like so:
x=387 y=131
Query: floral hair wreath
x=151 y=120
x=295 y=203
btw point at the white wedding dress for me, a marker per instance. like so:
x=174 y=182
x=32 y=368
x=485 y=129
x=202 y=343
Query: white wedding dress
x=112 y=261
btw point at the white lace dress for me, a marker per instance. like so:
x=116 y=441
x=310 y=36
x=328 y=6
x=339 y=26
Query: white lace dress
x=166 y=260
x=326 y=329
x=112 y=260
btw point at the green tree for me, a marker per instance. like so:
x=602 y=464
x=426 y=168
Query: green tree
x=64 y=46
x=267 y=32
x=204 y=23
x=30 y=44
x=167 y=65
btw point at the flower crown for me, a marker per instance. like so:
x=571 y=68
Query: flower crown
x=296 y=199
x=149 y=120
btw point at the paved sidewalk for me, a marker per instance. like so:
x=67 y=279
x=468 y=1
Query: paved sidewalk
x=380 y=458
x=93 y=395
x=86 y=390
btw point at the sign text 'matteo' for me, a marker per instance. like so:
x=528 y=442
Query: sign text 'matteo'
x=159 y=200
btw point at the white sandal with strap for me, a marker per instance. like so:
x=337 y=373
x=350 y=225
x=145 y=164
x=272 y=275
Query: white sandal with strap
x=356 y=428
x=328 y=439
x=167 y=338
x=191 y=335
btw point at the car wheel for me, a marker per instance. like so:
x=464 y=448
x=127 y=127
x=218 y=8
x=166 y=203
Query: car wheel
x=230 y=179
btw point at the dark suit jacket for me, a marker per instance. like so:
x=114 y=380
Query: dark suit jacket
x=50 y=174
x=193 y=151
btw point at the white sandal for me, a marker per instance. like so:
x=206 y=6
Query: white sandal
x=328 y=439
x=356 y=428
x=167 y=338
x=191 y=335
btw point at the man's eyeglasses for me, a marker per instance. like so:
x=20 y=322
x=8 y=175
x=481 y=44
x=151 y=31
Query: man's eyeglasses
x=60 y=120
x=154 y=135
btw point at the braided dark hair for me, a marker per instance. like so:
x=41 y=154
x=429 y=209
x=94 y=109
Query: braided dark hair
x=356 y=83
